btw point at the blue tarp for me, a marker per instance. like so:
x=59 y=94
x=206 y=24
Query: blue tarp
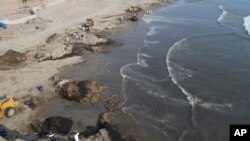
x=3 y=25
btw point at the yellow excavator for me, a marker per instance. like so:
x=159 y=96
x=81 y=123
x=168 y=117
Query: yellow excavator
x=7 y=107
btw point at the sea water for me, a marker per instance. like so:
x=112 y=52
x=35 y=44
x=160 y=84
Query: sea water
x=191 y=79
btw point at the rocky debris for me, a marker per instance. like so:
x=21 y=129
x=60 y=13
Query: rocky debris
x=102 y=135
x=69 y=90
x=58 y=125
x=104 y=119
x=11 y=60
x=134 y=18
x=83 y=92
x=90 y=86
x=134 y=9
x=116 y=132
x=113 y=104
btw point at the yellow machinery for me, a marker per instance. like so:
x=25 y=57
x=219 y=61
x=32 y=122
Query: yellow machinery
x=8 y=107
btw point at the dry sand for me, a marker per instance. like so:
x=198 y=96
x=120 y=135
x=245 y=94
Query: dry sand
x=67 y=15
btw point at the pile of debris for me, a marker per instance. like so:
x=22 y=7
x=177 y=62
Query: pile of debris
x=84 y=92
x=134 y=9
x=116 y=133
x=12 y=59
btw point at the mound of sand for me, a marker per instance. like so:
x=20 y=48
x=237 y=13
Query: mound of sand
x=12 y=59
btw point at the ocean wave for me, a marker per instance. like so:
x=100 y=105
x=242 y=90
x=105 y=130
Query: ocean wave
x=192 y=100
x=177 y=77
x=247 y=23
x=230 y=19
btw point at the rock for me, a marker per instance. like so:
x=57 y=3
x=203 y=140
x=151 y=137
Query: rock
x=103 y=135
x=90 y=86
x=70 y=90
x=62 y=82
x=113 y=104
x=58 y=125
x=104 y=119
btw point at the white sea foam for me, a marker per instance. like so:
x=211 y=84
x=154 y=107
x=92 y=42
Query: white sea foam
x=153 y=31
x=142 y=62
x=247 y=24
x=223 y=15
x=192 y=100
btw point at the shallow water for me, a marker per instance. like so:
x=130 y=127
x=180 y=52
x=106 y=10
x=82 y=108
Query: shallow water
x=191 y=79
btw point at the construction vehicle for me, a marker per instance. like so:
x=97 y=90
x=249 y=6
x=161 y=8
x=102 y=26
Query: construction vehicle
x=8 y=107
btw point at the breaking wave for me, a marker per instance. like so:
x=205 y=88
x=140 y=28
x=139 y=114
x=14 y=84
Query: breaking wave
x=247 y=23
x=223 y=15
x=179 y=73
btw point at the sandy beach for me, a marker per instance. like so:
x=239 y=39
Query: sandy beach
x=48 y=33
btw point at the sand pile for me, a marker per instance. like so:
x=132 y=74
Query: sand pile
x=11 y=60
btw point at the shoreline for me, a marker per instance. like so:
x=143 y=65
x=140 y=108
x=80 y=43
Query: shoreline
x=43 y=67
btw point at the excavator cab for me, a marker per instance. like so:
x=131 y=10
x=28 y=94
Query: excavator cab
x=8 y=107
